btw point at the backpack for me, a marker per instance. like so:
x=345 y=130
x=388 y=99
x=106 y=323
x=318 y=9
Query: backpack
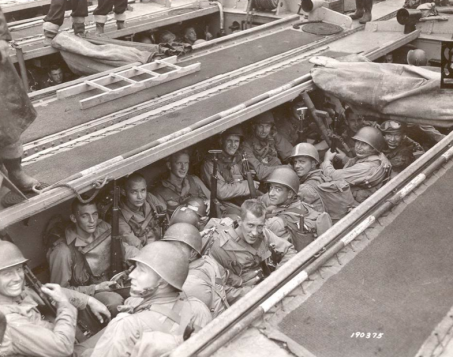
x=336 y=197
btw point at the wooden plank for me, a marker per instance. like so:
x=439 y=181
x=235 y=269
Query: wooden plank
x=98 y=86
x=123 y=78
x=139 y=86
x=107 y=80
x=28 y=5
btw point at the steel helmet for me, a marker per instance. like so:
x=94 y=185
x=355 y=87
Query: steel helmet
x=264 y=118
x=10 y=255
x=184 y=215
x=371 y=136
x=235 y=130
x=285 y=176
x=167 y=260
x=185 y=233
x=196 y=204
x=305 y=149
x=417 y=57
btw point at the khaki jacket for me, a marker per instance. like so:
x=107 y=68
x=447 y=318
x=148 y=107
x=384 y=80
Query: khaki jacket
x=124 y=332
x=238 y=257
x=27 y=334
x=308 y=193
x=131 y=227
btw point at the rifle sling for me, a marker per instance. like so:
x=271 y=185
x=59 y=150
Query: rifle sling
x=86 y=249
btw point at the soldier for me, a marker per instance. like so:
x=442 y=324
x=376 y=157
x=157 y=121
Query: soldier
x=207 y=278
x=106 y=6
x=27 y=334
x=284 y=207
x=190 y=36
x=367 y=171
x=55 y=17
x=363 y=11
x=265 y=146
x=54 y=77
x=305 y=161
x=81 y=259
x=138 y=221
x=155 y=306
x=401 y=149
x=179 y=186
x=17 y=114
x=250 y=249
x=232 y=185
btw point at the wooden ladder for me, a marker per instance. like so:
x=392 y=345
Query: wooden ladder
x=132 y=85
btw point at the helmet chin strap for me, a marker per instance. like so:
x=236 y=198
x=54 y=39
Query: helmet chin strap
x=145 y=293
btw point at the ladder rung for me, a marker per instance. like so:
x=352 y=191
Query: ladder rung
x=146 y=71
x=98 y=86
x=123 y=78
x=168 y=64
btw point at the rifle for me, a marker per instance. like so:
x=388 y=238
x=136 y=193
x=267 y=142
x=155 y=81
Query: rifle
x=162 y=218
x=82 y=330
x=321 y=126
x=302 y=112
x=248 y=173
x=116 y=249
x=215 y=205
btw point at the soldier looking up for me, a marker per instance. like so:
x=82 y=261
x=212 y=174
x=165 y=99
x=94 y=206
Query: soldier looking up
x=401 y=149
x=251 y=248
x=284 y=207
x=156 y=316
x=367 y=171
x=265 y=147
x=179 y=185
x=81 y=259
x=190 y=36
x=207 y=278
x=27 y=333
x=138 y=222
x=232 y=185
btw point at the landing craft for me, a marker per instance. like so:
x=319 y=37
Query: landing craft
x=104 y=126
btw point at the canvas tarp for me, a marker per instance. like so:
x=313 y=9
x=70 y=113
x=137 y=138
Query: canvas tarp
x=85 y=58
x=386 y=90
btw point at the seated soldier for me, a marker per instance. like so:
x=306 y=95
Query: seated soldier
x=155 y=306
x=305 y=161
x=265 y=147
x=167 y=37
x=27 y=333
x=207 y=278
x=81 y=259
x=138 y=222
x=179 y=185
x=190 y=36
x=353 y=123
x=251 y=250
x=284 y=208
x=232 y=185
x=54 y=77
x=367 y=171
x=401 y=148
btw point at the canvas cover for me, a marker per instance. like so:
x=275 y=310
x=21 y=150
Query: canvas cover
x=388 y=91
x=85 y=58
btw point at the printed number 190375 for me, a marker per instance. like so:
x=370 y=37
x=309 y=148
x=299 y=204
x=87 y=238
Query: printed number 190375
x=367 y=335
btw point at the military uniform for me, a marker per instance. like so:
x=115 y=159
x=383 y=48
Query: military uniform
x=139 y=228
x=307 y=191
x=231 y=182
x=264 y=155
x=27 y=334
x=164 y=312
x=365 y=175
x=207 y=281
x=79 y=265
x=174 y=196
x=402 y=156
x=235 y=255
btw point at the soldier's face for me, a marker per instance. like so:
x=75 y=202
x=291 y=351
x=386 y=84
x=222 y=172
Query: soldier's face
x=262 y=131
x=57 y=76
x=179 y=166
x=303 y=165
x=363 y=150
x=231 y=144
x=278 y=194
x=393 y=140
x=355 y=122
x=86 y=218
x=144 y=281
x=136 y=194
x=12 y=281
x=251 y=228
x=191 y=35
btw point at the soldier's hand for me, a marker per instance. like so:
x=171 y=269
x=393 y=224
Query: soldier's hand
x=341 y=155
x=104 y=286
x=256 y=184
x=4 y=51
x=54 y=292
x=98 y=309
x=329 y=155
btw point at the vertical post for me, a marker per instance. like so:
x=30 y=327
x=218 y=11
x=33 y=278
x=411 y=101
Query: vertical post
x=116 y=261
x=22 y=67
